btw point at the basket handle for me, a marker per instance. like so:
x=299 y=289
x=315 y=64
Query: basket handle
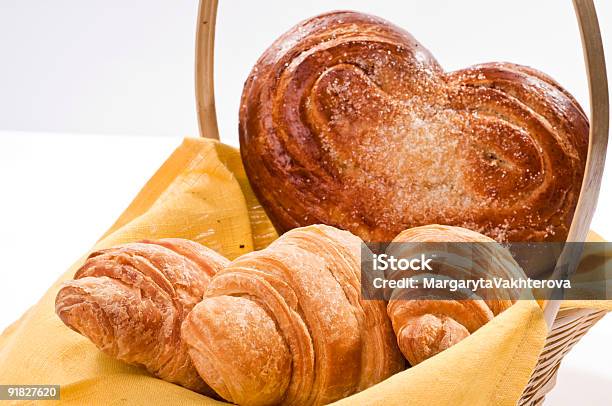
x=599 y=100
x=204 y=69
x=598 y=140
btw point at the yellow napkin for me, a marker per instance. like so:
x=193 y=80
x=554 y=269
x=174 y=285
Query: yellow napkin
x=201 y=192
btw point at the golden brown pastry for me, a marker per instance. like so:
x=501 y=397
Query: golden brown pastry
x=287 y=325
x=429 y=320
x=347 y=120
x=131 y=300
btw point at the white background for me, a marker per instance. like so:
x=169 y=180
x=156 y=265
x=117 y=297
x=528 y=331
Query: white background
x=126 y=67
x=124 y=70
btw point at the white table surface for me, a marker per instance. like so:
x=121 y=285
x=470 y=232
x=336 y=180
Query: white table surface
x=60 y=192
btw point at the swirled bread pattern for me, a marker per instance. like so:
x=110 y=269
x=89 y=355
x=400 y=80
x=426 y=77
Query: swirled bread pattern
x=429 y=320
x=131 y=300
x=347 y=120
x=286 y=325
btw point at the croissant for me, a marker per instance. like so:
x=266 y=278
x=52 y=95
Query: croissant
x=131 y=300
x=347 y=120
x=287 y=325
x=429 y=320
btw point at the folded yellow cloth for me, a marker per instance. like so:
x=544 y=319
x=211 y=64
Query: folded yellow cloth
x=201 y=192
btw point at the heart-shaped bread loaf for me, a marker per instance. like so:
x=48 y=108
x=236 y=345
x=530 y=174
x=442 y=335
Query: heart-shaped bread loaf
x=347 y=120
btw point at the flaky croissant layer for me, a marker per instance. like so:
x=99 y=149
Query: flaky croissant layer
x=130 y=301
x=287 y=325
x=428 y=321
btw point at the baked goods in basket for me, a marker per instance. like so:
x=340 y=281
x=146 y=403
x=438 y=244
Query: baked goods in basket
x=430 y=320
x=347 y=120
x=130 y=301
x=287 y=325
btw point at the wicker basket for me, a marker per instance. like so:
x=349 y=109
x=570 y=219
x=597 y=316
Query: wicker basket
x=567 y=325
